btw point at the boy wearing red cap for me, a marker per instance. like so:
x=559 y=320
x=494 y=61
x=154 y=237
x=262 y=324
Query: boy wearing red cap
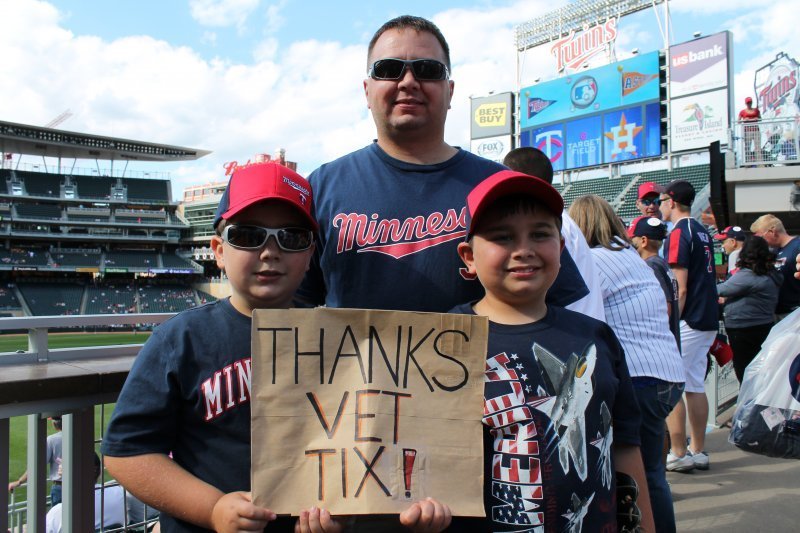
x=188 y=392
x=556 y=381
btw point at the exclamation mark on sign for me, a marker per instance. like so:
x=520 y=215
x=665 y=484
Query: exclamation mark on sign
x=409 y=456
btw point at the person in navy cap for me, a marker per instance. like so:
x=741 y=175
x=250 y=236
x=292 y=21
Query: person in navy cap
x=732 y=239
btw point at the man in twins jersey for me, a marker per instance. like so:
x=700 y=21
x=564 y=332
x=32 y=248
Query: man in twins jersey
x=391 y=214
x=690 y=254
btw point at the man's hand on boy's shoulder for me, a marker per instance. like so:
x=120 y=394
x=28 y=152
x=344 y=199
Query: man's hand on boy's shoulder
x=236 y=512
x=426 y=516
x=317 y=520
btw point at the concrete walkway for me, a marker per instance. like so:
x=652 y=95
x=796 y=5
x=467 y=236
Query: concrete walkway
x=741 y=492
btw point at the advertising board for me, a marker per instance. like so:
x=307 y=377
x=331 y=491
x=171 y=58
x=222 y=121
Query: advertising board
x=699 y=65
x=777 y=90
x=491 y=116
x=699 y=119
x=622 y=84
x=492 y=148
x=584 y=142
x=631 y=133
x=550 y=140
x=620 y=135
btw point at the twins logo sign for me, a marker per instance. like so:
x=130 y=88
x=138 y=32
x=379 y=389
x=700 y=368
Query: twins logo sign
x=551 y=142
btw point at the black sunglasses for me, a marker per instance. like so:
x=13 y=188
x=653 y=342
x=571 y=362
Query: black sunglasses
x=255 y=237
x=423 y=69
x=651 y=201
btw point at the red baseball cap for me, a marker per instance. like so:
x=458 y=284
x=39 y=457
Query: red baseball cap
x=265 y=181
x=748 y=100
x=646 y=188
x=721 y=350
x=508 y=182
x=731 y=232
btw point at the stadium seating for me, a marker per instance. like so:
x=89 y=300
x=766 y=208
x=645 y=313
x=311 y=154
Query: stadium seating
x=174 y=261
x=90 y=187
x=607 y=188
x=151 y=190
x=204 y=297
x=110 y=299
x=131 y=259
x=42 y=184
x=166 y=298
x=697 y=175
x=8 y=300
x=39 y=211
x=45 y=299
x=75 y=259
x=23 y=256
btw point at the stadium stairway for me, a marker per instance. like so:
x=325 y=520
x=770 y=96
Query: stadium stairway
x=84 y=300
x=26 y=310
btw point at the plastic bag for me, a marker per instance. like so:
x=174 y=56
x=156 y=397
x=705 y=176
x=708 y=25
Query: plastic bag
x=767 y=417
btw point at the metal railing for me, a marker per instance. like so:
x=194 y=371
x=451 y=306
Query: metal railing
x=767 y=142
x=42 y=382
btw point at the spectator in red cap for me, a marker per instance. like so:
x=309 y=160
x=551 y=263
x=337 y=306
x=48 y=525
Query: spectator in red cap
x=752 y=135
x=750 y=297
x=648 y=200
x=732 y=239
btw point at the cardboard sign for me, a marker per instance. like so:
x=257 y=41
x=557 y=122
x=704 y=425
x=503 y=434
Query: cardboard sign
x=365 y=412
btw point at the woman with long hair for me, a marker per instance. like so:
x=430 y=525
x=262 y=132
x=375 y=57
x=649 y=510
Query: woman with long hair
x=637 y=312
x=750 y=297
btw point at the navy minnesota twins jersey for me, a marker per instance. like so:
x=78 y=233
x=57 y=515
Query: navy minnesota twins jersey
x=689 y=246
x=389 y=232
x=188 y=394
x=557 y=394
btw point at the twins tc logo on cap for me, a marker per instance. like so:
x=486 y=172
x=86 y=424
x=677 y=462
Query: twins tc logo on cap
x=265 y=181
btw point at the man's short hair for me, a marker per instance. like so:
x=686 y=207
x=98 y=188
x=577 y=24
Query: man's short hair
x=767 y=222
x=530 y=161
x=418 y=24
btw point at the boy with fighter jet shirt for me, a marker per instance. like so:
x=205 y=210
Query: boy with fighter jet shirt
x=562 y=423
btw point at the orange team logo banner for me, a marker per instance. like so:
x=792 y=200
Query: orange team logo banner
x=634 y=80
x=365 y=412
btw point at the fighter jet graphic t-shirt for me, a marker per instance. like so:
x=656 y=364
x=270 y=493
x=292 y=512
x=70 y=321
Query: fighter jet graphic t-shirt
x=557 y=394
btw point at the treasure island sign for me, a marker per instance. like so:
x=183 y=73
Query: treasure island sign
x=364 y=412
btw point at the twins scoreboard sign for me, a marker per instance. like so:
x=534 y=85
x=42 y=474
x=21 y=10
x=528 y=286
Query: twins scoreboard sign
x=776 y=88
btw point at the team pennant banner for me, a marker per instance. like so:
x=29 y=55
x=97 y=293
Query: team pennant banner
x=365 y=412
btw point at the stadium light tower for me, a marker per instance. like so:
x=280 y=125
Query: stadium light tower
x=59 y=119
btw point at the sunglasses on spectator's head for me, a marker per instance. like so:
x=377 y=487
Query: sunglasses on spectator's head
x=246 y=237
x=650 y=201
x=423 y=69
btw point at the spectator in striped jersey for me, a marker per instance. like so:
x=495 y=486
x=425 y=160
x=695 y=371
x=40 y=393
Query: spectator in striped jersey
x=635 y=310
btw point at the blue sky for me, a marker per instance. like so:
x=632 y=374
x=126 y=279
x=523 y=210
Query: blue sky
x=241 y=77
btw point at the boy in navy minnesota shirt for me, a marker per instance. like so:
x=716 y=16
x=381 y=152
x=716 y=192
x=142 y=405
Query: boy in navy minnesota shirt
x=562 y=423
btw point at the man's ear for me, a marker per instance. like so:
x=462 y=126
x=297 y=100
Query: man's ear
x=452 y=85
x=216 y=246
x=366 y=91
x=561 y=242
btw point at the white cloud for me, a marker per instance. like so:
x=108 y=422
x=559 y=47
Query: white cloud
x=304 y=96
x=222 y=13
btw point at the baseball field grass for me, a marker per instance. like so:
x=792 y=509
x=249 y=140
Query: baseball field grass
x=19 y=425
